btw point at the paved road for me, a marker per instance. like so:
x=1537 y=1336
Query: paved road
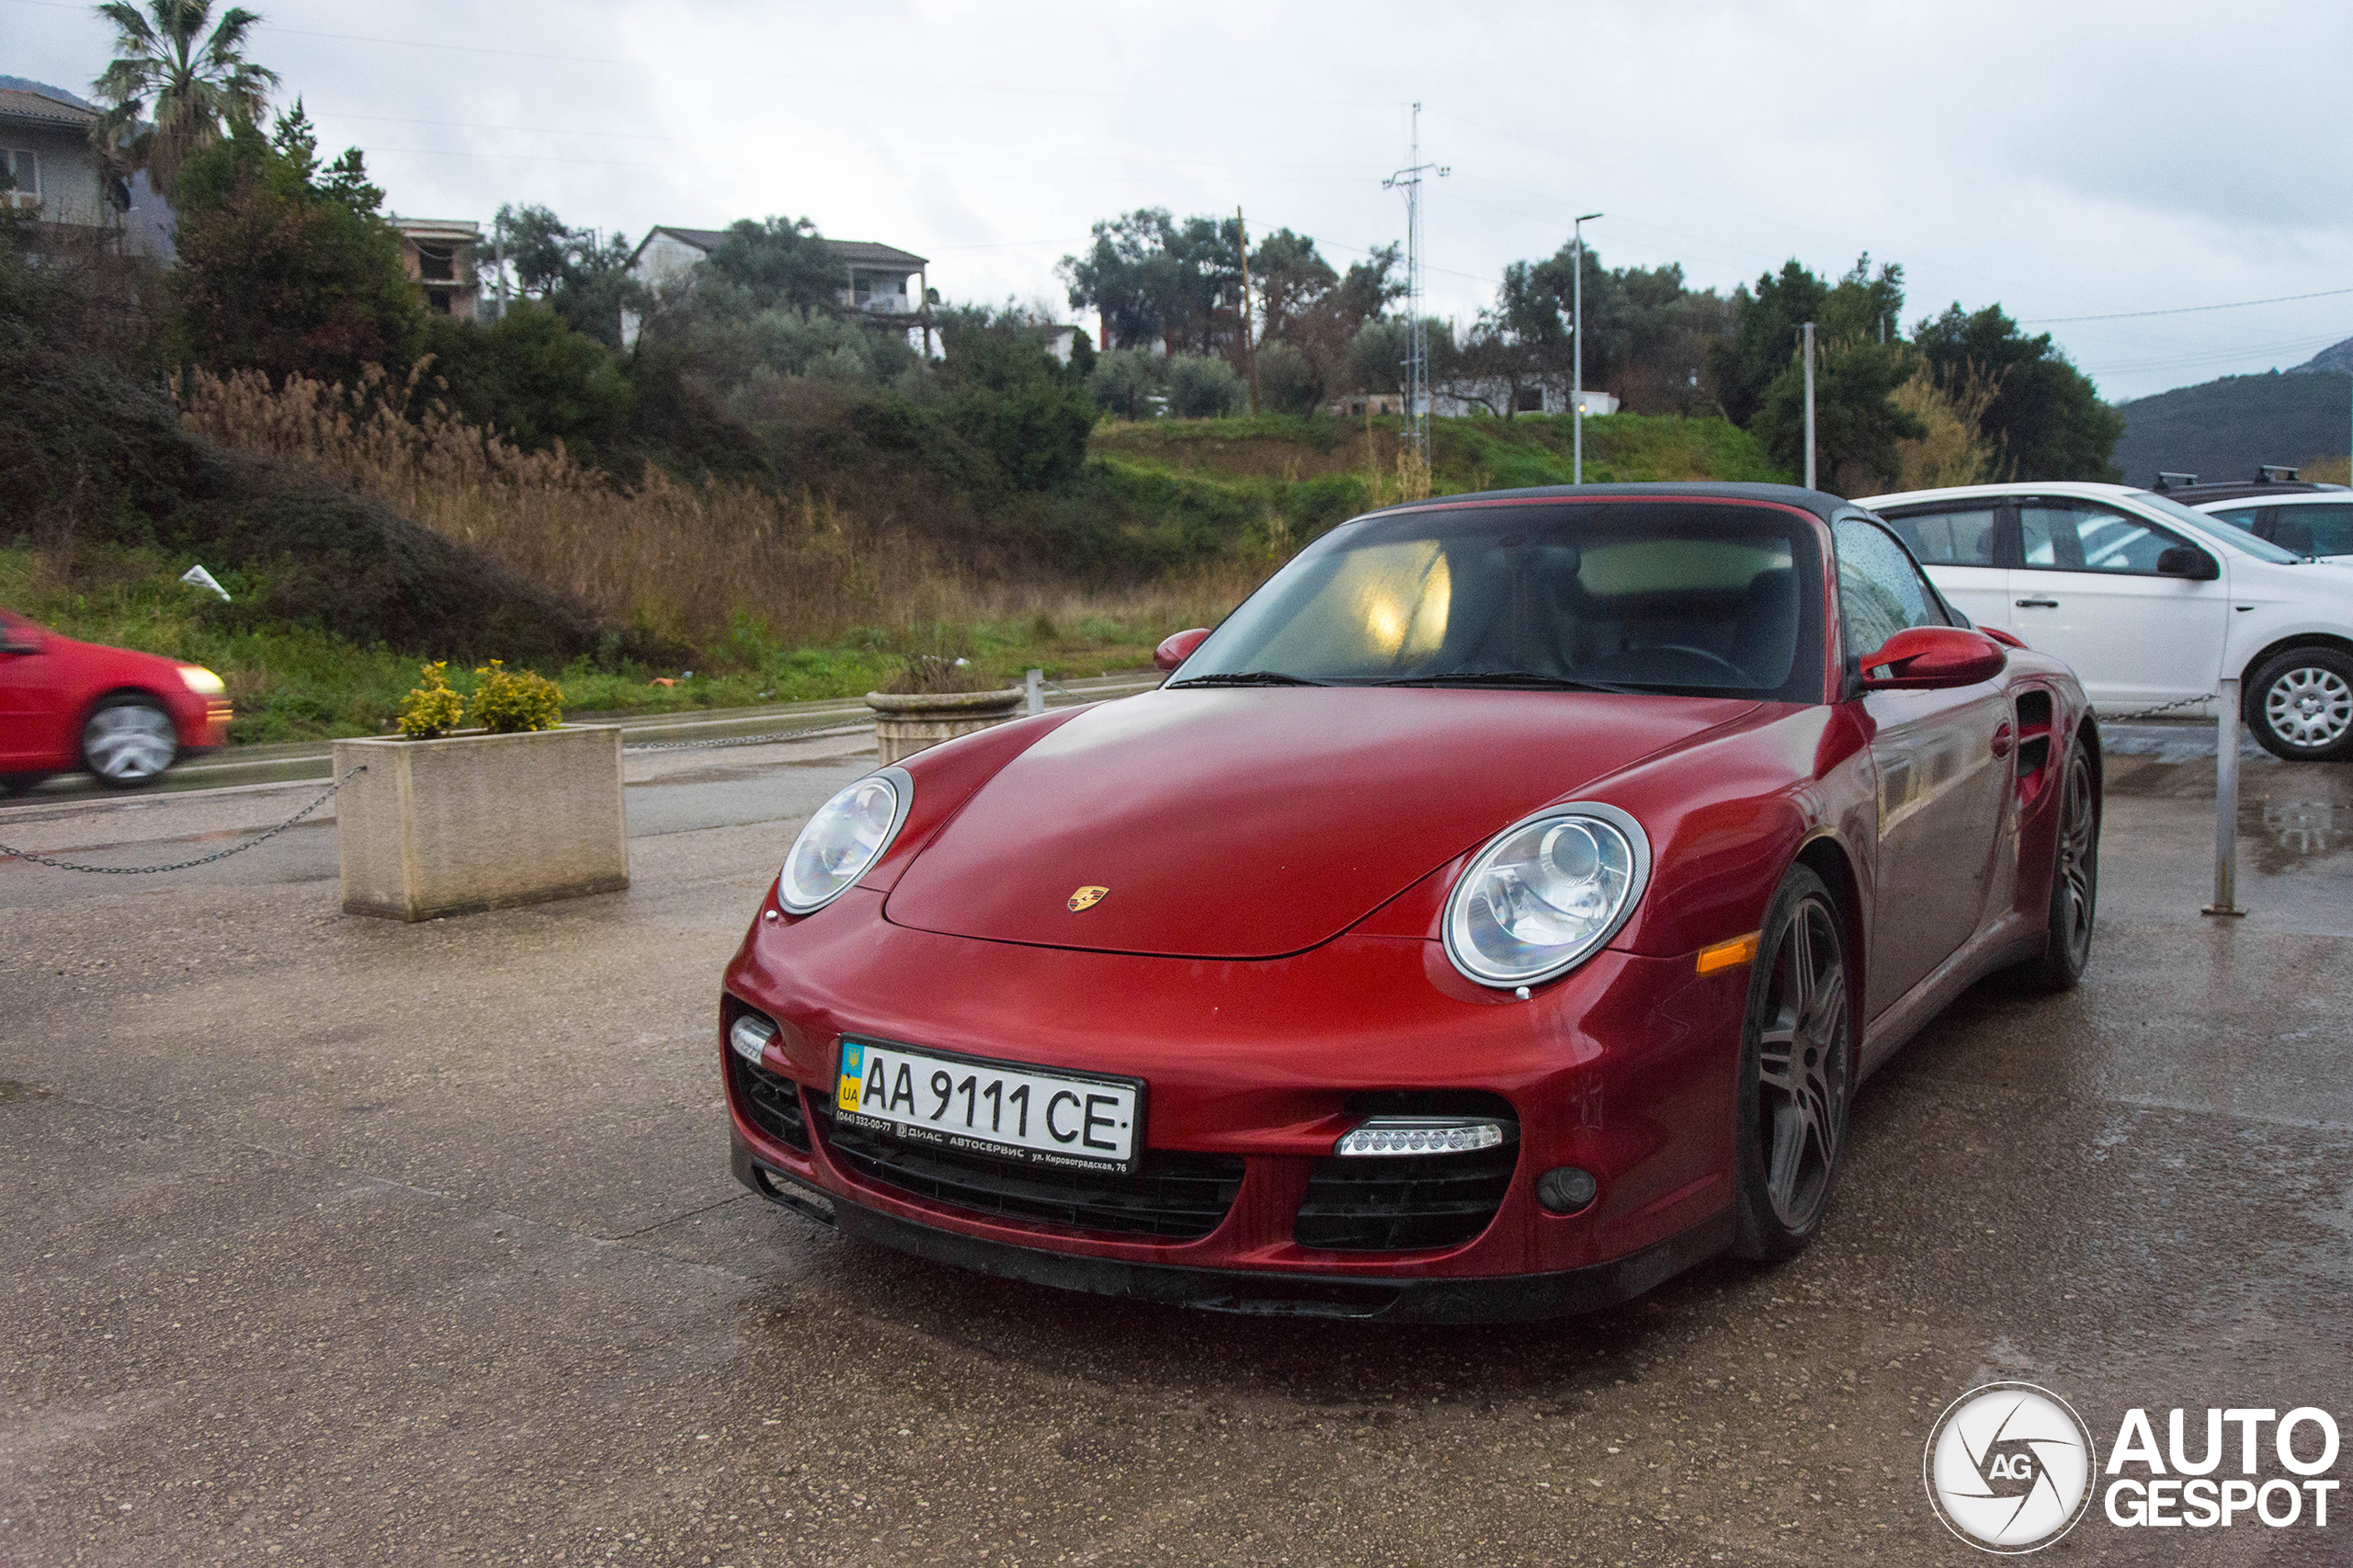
x=332 y=1239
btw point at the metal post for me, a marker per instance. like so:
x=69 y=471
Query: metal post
x=1037 y=689
x=1808 y=330
x=1418 y=361
x=1576 y=357
x=2226 y=805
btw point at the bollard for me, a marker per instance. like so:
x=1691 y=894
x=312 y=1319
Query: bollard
x=1037 y=689
x=2226 y=805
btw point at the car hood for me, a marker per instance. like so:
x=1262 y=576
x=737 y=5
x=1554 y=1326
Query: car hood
x=1253 y=823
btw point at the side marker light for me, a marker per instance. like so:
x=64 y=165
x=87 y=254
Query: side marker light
x=1729 y=955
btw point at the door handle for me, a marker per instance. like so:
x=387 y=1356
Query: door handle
x=2002 y=739
x=2038 y=604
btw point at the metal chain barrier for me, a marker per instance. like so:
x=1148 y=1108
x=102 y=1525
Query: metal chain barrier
x=2159 y=712
x=7 y=853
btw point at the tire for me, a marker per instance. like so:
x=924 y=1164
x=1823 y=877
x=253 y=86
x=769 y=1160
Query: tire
x=1797 y=1066
x=2074 y=881
x=2300 y=704
x=128 y=741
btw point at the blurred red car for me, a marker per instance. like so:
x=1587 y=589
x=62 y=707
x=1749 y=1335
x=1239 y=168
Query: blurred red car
x=124 y=716
x=1491 y=919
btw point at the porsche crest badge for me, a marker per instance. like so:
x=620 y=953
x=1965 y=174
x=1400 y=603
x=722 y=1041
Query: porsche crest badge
x=1086 y=898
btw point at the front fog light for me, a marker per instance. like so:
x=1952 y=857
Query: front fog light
x=1425 y=1135
x=749 y=1036
x=1565 y=1189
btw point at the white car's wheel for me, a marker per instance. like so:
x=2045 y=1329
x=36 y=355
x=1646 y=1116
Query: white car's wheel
x=2300 y=705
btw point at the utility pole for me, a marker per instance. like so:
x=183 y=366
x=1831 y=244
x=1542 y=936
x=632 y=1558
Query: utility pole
x=1576 y=357
x=1808 y=331
x=1417 y=361
x=1249 y=346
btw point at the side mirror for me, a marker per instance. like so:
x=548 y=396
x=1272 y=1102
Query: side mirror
x=1931 y=658
x=2183 y=561
x=1178 y=649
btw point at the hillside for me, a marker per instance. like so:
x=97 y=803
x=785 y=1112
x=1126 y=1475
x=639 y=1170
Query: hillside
x=2223 y=429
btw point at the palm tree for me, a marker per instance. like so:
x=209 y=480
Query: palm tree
x=194 y=86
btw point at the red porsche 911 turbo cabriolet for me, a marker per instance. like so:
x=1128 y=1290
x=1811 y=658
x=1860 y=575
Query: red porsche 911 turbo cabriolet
x=1492 y=918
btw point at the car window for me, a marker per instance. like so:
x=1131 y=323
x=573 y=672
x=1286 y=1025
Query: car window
x=1880 y=591
x=1658 y=595
x=2238 y=517
x=2079 y=536
x=2229 y=532
x=2313 y=528
x=1949 y=539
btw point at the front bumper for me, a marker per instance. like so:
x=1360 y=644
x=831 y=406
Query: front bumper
x=1263 y=1292
x=1624 y=1068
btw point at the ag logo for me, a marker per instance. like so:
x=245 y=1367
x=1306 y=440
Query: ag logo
x=1086 y=898
x=2009 y=1468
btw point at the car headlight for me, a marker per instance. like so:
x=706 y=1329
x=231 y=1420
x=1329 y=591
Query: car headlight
x=1546 y=893
x=847 y=835
x=196 y=678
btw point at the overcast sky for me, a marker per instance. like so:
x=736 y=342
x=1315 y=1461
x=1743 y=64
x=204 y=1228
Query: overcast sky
x=2066 y=160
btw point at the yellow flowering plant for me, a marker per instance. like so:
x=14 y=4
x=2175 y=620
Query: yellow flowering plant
x=506 y=701
x=432 y=710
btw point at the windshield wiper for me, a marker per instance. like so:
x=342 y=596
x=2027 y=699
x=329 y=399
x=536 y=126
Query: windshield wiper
x=1508 y=677
x=1246 y=678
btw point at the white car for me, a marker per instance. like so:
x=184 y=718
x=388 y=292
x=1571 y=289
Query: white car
x=2154 y=604
x=2311 y=522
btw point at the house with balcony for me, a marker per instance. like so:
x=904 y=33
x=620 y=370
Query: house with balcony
x=54 y=171
x=879 y=283
x=438 y=254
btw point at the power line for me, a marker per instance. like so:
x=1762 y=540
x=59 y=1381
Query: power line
x=2188 y=310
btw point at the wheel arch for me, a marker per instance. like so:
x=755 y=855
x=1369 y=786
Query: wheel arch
x=1827 y=857
x=2277 y=646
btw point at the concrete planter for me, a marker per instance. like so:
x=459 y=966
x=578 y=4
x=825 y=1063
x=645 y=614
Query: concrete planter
x=475 y=821
x=906 y=722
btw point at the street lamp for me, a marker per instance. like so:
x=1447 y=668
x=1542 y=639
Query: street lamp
x=1576 y=355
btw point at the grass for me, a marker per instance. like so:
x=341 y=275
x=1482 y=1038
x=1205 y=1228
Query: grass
x=798 y=598
x=294 y=683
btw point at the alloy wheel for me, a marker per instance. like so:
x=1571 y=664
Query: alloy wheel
x=2310 y=707
x=1802 y=1070
x=128 y=743
x=2078 y=852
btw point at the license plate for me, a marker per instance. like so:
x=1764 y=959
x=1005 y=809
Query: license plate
x=992 y=1108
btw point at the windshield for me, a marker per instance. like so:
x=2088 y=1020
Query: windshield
x=2229 y=532
x=1703 y=597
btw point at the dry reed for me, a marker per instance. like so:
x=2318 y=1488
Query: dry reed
x=677 y=560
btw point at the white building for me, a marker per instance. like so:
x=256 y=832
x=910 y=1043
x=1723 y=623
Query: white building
x=880 y=281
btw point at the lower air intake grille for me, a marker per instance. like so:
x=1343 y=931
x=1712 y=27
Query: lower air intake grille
x=1175 y=1194
x=1404 y=1202
x=770 y=1103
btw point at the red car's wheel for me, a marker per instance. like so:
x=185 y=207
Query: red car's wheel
x=1796 y=1071
x=2074 y=883
x=128 y=741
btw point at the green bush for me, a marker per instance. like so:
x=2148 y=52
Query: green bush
x=509 y=701
x=432 y=710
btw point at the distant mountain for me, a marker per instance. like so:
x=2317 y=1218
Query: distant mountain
x=2225 y=429
x=2337 y=357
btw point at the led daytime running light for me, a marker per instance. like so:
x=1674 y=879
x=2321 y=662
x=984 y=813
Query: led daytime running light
x=1424 y=1135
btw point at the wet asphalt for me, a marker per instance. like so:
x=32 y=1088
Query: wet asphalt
x=332 y=1239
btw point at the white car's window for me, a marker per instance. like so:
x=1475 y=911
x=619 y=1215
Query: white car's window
x=2229 y=533
x=1949 y=539
x=1880 y=591
x=2313 y=527
x=2237 y=516
x=2069 y=537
